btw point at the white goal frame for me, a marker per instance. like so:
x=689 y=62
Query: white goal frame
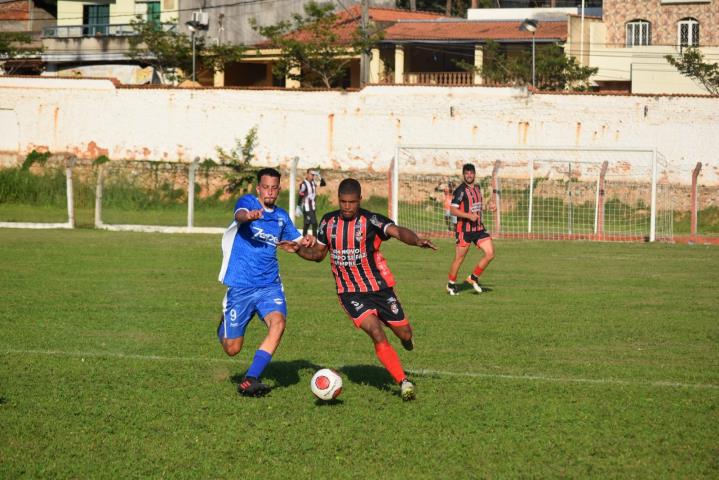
x=70 y=224
x=397 y=168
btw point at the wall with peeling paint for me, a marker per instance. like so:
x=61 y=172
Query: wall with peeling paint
x=347 y=130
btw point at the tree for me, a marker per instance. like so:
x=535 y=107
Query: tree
x=312 y=51
x=14 y=47
x=554 y=70
x=170 y=52
x=239 y=160
x=691 y=63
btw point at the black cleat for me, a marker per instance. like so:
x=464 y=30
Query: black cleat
x=407 y=344
x=452 y=289
x=252 y=387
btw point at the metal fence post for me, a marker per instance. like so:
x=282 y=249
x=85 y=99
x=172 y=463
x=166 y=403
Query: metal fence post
x=531 y=195
x=394 y=191
x=653 y=219
x=293 y=191
x=695 y=201
x=496 y=194
x=98 y=196
x=70 y=192
x=599 y=202
x=191 y=192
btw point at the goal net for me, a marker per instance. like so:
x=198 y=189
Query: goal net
x=543 y=193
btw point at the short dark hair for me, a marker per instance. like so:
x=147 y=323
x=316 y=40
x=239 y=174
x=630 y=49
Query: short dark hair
x=349 y=186
x=468 y=167
x=271 y=172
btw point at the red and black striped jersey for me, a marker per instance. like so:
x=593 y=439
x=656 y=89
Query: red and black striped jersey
x=357 y=264
x=468 y=199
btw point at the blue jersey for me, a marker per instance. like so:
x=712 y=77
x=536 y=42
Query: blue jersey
x=249 y=250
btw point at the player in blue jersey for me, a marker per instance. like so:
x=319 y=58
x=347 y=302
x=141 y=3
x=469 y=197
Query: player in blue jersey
x=252 y=275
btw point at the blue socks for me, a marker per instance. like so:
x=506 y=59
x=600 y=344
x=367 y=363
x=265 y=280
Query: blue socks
x=259 y=363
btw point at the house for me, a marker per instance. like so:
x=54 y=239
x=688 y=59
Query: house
x=29 y=17
x=91 y=38
x=629 y=43
x=416 y=48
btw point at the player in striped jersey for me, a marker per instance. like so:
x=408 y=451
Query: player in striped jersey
x=352 y=236
x=308 y=194
x=467 y=206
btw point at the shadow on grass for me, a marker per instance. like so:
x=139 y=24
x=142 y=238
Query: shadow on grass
x=284 y=374
x=371 y=375
x=466 y=287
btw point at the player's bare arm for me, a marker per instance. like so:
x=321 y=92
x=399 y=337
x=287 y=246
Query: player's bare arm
x=243 y=216
x=462 y=214
x=308 y=241
x=315 y=253
x=409 y=237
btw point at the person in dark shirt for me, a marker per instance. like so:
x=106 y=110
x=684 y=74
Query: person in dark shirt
x=467 y=206
x=352 y=236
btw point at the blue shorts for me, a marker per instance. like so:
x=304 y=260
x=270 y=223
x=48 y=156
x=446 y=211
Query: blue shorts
x=241 y=304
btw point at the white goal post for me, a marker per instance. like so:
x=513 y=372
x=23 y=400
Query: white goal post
x=560 y=192
x=70 y=194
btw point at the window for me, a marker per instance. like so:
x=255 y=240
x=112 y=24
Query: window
x=688 y=33
x=639 y=33
x=153 y=12
x=95 y=19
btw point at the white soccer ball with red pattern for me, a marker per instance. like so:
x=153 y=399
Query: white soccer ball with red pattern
x=326 y=384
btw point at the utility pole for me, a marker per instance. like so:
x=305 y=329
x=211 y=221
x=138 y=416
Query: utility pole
x=364 y=59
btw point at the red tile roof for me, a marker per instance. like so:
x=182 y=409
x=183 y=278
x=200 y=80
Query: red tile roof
x=473 y=30
x=404 y=25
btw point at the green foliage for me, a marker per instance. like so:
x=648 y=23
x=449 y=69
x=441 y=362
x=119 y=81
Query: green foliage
x=692 y=64
x=19 y=185
x=554 y=70
x=102 y=159
x=315 y=57
x=170 y=51
x=239 y=159
x=35 y=157
x=16 y=46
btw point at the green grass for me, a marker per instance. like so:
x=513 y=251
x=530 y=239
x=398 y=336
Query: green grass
x=585 y=360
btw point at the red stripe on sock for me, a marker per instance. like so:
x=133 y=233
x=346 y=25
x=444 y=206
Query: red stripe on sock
x=389 y=358
x=452 y=278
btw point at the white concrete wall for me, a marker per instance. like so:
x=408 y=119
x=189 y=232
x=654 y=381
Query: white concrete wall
x=349 y=130
x=546 y=14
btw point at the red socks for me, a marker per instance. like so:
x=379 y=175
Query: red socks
x=389 y=358
x=477 y=271
x=452 y=278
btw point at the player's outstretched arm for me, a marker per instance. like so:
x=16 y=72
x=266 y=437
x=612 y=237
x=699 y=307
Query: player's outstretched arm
x=307 y=248
x=407 y=236
x=243 y=216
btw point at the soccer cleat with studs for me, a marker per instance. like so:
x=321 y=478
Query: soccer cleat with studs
x=252 y=387
x=407 y=390
x=452 y=289
x=475 y=284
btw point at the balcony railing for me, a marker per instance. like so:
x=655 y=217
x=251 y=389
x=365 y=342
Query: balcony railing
x=439 y=78
x=78 y=31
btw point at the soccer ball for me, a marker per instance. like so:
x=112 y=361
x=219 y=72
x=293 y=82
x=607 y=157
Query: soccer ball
x=326 y=384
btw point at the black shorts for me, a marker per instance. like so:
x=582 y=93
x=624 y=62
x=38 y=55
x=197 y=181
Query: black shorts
x=310 y=217
x=465 y=239
x=384 y=304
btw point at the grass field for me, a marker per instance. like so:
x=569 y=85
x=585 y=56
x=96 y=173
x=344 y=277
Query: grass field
x=585 y=360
